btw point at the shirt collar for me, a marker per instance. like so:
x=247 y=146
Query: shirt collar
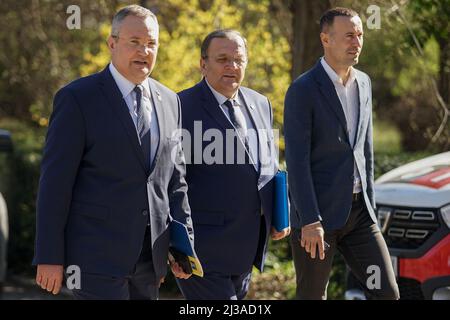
x=335 y=77
x=221 y=99
x=125 y=85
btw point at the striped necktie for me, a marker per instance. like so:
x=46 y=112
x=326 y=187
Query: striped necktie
x=143 y=126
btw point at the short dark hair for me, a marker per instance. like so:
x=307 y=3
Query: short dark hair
x=221 y=33
x=327 y=18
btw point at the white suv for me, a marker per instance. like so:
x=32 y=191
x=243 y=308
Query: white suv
x=413 y=209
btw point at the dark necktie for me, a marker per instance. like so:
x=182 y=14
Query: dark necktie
x=143 y=126
x=238 y=122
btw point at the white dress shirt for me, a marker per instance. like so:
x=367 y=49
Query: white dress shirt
x=349 y=97
x=126 y=88
x=249 y=129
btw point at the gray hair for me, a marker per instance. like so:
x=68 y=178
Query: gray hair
x=132 y=10
x=224 y=34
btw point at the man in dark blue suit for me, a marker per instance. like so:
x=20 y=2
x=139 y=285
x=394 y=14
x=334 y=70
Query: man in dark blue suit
x=112 y=174
x=329 y=156
x=231 y=160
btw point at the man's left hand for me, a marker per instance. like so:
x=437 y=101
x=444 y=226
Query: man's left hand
x=278 y=235
x=178 y=271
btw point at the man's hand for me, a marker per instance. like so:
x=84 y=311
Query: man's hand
x=177 y=270
x=279 y=235
x=161 y=281
x=312 y=236
x=49 y=277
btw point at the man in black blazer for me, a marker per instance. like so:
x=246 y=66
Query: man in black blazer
x=329 y=156
x=110 y=184
x=231 y=160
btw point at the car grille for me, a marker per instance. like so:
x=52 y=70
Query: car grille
x=410 y=289
x=407 y=228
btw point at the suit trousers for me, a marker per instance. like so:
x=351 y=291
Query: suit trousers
x=364 y=250
x=216 y=286
x=140 y=284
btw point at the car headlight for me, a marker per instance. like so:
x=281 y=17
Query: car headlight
x=445 y=212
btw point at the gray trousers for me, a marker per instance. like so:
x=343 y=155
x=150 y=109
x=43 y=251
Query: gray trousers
x=364 y=250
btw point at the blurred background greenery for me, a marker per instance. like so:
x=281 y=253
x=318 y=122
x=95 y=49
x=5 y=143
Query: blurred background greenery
x=408 y=59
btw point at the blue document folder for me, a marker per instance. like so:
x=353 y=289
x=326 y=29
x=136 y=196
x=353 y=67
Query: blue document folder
x=280 y=218
x=181 y=248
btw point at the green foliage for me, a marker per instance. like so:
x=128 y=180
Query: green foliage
x=386 y=138
x=430 y=19
x=40 y=54
x=402 y=75
x=277 y=282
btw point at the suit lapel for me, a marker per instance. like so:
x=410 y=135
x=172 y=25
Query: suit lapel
x=362 y=95
x=255 y=117
x=115 y=99
x=329 y=92
x=157 y=103
x=212 y=107
x=264 y=175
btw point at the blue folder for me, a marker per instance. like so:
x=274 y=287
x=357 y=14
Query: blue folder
x=182 y=243
x=280 y=218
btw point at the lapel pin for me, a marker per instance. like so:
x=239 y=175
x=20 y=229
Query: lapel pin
x=252 y=106
x=158 y=96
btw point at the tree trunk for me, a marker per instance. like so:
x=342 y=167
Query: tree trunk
x=305 y=43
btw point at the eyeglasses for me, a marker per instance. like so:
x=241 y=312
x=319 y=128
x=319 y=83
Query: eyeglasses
x=135 y=44
x=223 y=60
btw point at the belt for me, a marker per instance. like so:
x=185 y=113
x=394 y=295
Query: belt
x=357 y=196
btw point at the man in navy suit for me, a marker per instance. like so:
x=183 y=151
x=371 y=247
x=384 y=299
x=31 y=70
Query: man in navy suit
x=231 y=160
x=110 y=184
x=329 y=156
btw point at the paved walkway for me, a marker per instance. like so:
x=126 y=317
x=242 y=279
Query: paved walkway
x=21 y=288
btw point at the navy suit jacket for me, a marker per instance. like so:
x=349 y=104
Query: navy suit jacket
x=227 y=199
x=95 y=194
x=319 y=157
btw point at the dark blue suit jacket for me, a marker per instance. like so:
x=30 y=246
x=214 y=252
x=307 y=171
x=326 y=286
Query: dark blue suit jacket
x=319 y=157
x=95 y=195
x=227 y=199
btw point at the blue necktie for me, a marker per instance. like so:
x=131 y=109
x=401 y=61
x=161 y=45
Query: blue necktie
x=143 y=126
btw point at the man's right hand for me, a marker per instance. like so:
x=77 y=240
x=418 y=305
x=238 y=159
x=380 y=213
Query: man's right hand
x=312 y=237
x=49 y=277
